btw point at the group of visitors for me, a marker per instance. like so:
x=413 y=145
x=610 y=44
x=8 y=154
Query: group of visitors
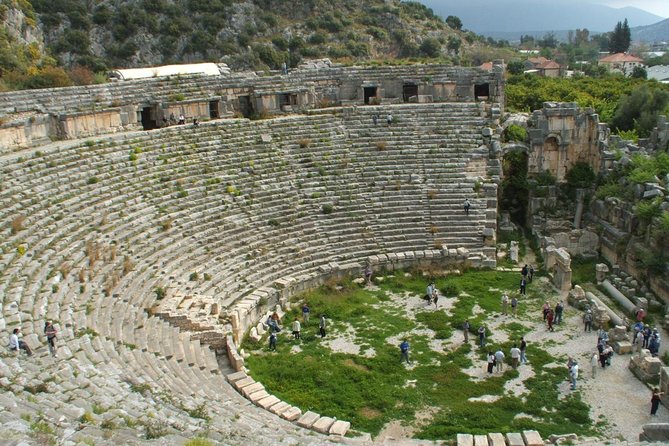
x=376 y=117
x=495 y=361
x=16 y=343
x=526 y=275
x=432 y=295
x=604 y=350
x=552 y=316
x=274 y=324
x=645 y=337
x=507 y=301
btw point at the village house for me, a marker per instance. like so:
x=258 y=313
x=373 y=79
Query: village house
x=621 y=62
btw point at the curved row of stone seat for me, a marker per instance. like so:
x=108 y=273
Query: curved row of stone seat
x=125 y=189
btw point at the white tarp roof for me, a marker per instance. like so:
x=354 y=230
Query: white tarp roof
x=208 y=69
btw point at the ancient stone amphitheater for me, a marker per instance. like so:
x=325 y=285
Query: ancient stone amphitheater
x=228 y=218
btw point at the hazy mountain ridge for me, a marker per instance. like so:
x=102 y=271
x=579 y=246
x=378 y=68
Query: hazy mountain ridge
x=528 y=16
x=657 y=32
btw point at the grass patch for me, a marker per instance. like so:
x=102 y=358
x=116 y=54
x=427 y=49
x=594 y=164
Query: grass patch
x=371 y=390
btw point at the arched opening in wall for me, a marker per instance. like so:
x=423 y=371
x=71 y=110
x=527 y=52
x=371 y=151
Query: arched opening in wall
x=245 y=106
x=514 y=191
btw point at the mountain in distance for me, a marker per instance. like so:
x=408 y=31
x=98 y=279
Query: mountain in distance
x=657 y=32
x=504 y=18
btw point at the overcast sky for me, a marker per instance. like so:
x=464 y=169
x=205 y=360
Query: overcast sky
x=659 y=7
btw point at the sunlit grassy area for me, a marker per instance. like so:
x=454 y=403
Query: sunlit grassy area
x=371 y=387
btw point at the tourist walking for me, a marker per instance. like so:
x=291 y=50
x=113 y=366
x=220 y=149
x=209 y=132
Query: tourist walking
x=404 y=350
x=467 y=204
x=523 y=285
x=15 y=343
x=587 y=320
x=368 y=275
x=505 y=303
x=594 y=359
x=515 y=356
x=272 y=341
x=573 y=374
x=559 y=308
x=321 y=326
x=530 y=273
x=50 y=332
x=655 y=401
x=549 y=320
x=375 y=118
x=435 y=297
x=296 y=328
x=545 y=309
x=389 y=119
x=465 y=330
x=514 y=306
x=523 y=350
x=524 y=271
x=481 y=336
x=305 y=313
x=499 y=360
x=491 y=362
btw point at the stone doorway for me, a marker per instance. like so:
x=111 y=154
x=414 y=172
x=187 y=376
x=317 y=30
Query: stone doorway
x=482 y=91
x=409 y=90
x=149 y=117
x=369 y=93
x=245 y=106
x=213 y=110
x=514 y=190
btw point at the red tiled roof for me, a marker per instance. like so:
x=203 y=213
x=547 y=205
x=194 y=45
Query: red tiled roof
x=486 y=66
x=620 y=57
x=549 y=65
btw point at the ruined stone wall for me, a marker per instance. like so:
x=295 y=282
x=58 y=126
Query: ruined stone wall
x=562 y=134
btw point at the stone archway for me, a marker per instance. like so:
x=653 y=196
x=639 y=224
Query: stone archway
x=514 y=191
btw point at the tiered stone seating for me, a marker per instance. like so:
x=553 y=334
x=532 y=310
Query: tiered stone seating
x=228 y=210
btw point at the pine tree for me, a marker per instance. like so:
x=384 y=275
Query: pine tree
x=621 y=38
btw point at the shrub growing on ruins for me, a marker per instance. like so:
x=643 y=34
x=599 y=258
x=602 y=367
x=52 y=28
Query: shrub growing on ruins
x=580 y=175
x=193 y=276
x=199 y=442
x=515 y=132
x=647 y=210
x=327 y=208
x=381 y=146
x=304 y=143
x=92 y=180
x=160 y=293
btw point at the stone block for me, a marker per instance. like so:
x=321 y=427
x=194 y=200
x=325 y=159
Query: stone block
x=279 y=407
x=255 y=397
x=480 y=440
x=340 y=428
x=252 y=388
x=622 y=347
x=532 y=438
x=465 y=440
x=651 y=365
x=323 y=425
x=496 y=439
x=655 y=432
x=514 y=439
x=268 y=402
x=308 y=419
x=292 y=413
x=234 y=377
x=240 y=384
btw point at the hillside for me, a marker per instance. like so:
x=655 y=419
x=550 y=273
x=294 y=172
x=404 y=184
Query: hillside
x=657 y=32
x=250 y=34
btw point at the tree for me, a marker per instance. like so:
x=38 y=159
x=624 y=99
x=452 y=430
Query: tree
x=430 y=47
x=454 y=22
x=453 y=44
x=639 y=110
x=621 y=38
x=515 y=67
x=639 y=73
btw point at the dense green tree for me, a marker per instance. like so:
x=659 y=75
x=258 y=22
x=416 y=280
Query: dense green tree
x=640 y=73
x=453 y=44
x=640 y=109
x=454 y=22
x=515 y=67
x=430 y=47
x=621 y=38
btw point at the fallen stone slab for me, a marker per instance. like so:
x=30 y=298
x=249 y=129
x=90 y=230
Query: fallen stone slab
x=340 y=428
x=323 y=425
x=308 y=419
x=532 y=438
x=465 y=440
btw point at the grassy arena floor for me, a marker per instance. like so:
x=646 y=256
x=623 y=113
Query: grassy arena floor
x=355 y=373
